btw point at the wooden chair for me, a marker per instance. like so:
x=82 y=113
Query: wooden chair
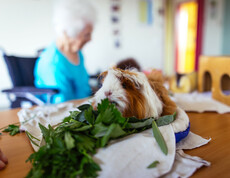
x=213 y=74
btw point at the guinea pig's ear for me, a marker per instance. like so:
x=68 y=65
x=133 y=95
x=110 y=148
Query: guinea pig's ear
x=129 y=83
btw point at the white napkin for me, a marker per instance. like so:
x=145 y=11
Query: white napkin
x=191 y=141
x=199 y=102
x=137 y=151
x=129 y=156
x=185 y=165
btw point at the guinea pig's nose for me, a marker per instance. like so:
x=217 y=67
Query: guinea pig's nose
x=108 y=93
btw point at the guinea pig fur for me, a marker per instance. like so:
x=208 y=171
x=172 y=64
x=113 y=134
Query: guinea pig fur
x=135 y=94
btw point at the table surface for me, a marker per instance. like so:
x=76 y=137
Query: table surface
x=208 y=125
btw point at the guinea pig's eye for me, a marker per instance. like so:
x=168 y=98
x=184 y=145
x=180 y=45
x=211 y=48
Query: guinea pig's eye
x=124 y=85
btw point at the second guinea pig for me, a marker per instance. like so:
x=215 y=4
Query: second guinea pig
x=135 y=94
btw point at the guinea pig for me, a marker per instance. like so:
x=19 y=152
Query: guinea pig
x=135 y=94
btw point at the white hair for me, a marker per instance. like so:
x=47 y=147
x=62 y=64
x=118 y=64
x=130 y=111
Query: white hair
x=71 y=16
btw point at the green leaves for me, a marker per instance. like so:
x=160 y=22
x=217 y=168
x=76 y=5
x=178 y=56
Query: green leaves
x=105 y=117
x=84 y=107
x=84 y=142
x=165 y=120
x=141 y=123
x=69 y=147
x=13 y=129
x=109 y=114
x=44 y=130
x=104 y=105
x=99 y=130
x=89 y=115
x=114 y=131
x=159 y=138
x=32 y=138
x=69 y=141
x=153 y=164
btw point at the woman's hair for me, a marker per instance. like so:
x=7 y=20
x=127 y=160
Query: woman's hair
x=71 y=16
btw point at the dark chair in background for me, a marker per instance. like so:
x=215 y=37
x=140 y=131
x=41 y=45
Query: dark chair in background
x=21 y=71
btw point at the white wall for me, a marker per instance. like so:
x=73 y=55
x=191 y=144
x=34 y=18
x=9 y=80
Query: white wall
x=145 y=43
x=25 y=27
x=213 y=28
x=4 y=83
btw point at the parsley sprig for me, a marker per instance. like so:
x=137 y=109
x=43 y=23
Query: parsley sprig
x=70 y=146
x=12 y=129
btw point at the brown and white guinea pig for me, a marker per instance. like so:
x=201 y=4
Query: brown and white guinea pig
x=135 y=94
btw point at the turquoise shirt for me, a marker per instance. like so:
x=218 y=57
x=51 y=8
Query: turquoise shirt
x=53 y=70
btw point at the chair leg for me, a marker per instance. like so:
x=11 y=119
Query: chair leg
x=48 y=99
x=34 y=99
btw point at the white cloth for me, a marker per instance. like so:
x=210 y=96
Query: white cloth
x=199 y=102
x=181 y=122
x=137 y=152
x=191 y=141
x=45 y=115
x=185 y=165
x=129 y=156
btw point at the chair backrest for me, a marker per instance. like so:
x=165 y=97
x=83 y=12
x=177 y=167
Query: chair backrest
x=21 y=70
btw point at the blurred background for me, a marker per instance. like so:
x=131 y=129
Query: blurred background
x=168 y=35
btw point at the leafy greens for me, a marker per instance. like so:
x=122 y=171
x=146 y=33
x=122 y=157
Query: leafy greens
x=12 y=129
x=70 y=146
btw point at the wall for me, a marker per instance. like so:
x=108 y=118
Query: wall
x=226 y=30
x=26 y=27
x=139 y=41
x=213 y=28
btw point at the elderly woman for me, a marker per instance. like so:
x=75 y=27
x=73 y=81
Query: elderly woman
x=61 y=65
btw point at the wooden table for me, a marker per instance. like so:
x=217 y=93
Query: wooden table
x=208 y=125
